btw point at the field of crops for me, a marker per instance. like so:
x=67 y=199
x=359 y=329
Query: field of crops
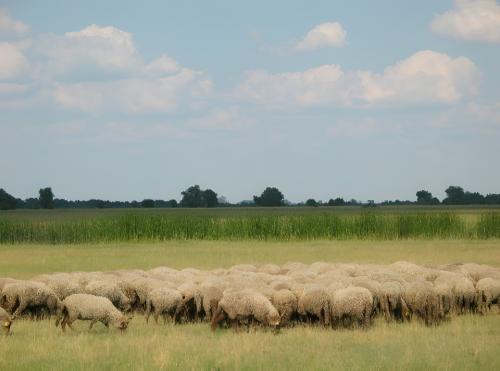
x=72 y=226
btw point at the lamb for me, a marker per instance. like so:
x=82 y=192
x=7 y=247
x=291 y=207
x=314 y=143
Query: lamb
x=5 y=320
x=423 y=301
x=111 y=291
x=20 y=296
x=488 y=293
x=286 y=303
x=314 y=301
x=90 y=308
x=162 y=301
x=351 y=305
x=243 y=306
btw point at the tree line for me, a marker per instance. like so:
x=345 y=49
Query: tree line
x=194 y=196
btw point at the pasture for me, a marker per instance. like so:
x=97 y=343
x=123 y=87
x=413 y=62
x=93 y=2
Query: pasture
x=463 y=342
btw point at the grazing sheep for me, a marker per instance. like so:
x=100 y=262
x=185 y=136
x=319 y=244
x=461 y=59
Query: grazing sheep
x=314 y=301
x=187 y=308
x=445 y=298
x=5 y=320
x=351 y=305
x=463 y=291
x=243 y=306
x=392 y=303
x=423 y=301
x=111 y=291
x=27 y=295
x=488 y=293
x=92 y=308
x=162 y=301
x=207 y=297
x=286 y=303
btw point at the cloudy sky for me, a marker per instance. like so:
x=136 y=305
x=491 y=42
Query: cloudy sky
x=360 y=99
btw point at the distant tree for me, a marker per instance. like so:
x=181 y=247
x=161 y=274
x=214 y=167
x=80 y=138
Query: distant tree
x=171 y=203
x=46 y=198
x=455 y=195
x=270 y=197
x=209 y=198
x=222 y=200
x=195 y=197
x=312 y=202
x=147 y=203
x=32 y=203
x=192 y=197
x=100 y=204
x=425 y=198
x=337 y=202
x=7 y=202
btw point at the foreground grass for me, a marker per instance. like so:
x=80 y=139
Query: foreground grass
x=466 y=342
x=23 y=261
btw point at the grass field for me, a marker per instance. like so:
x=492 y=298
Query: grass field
x=466 y=342
x=280 y=224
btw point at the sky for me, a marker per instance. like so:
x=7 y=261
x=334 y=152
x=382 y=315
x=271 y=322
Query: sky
x=125 y=100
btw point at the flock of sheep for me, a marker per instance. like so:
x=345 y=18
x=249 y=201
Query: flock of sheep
x=268 y=295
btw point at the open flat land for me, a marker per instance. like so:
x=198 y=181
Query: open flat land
x=464 y=342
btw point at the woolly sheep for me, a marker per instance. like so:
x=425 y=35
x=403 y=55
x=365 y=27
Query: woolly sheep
x=314 y=301
x=207 y=298
x=111 y=291
x=5 y=320
x=488 y=293
x=162 y=301
x=286 y=304
x=27 y=295
x=92 y=308
x=422 y=300
x=242 y=306
x=351 y=305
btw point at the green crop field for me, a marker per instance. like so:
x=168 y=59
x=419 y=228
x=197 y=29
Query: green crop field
x=35 y=242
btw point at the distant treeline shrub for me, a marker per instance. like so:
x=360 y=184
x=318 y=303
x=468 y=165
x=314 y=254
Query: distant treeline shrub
x=134 y=227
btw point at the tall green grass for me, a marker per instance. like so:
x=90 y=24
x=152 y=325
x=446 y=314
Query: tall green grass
x=141 y=227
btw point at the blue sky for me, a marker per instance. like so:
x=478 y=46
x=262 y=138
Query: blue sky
x=362 y=99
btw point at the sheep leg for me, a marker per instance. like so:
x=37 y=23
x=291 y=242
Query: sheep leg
x=156 y=315
x=92 y=323
x=22 y=306
x=219 y=315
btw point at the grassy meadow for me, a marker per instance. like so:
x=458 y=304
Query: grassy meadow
x=464 y=342
x=280 y=224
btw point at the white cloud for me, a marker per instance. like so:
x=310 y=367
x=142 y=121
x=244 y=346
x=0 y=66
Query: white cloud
x=329 y=34
x=12 y=61
x=473 y=20
x=424 y=77
x=360 y=127
x=106 y=47
x=161 y=66
x=10 y=25
x=133 y=95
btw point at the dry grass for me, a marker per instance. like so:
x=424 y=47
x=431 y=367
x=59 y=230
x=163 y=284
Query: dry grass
x=23 y=261
x=467 y=342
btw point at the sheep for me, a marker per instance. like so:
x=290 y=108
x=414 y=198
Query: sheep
x=286 y=303
x=111 y=291
x=243 y=306
x=207 y=297
x=188 y=304
x=392 y=303
x=5 y=320
x=90 y=308
x=375 y=289
x=26 y=295
x=314 y=301
x=162 y=301
x=351 y=305
x=463 y=291
x=423 y=301
x=488 y=293
x=445 y=298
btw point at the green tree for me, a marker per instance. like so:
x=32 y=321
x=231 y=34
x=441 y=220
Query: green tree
x=7 y=202
x=209 y=198
x=270 y=197
x=455 y=195
x=337 y=202
x=148 y=203
x=425 y=198
x=172 y=203
x=312 y=202
x=46 y=198
x=192 y=197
